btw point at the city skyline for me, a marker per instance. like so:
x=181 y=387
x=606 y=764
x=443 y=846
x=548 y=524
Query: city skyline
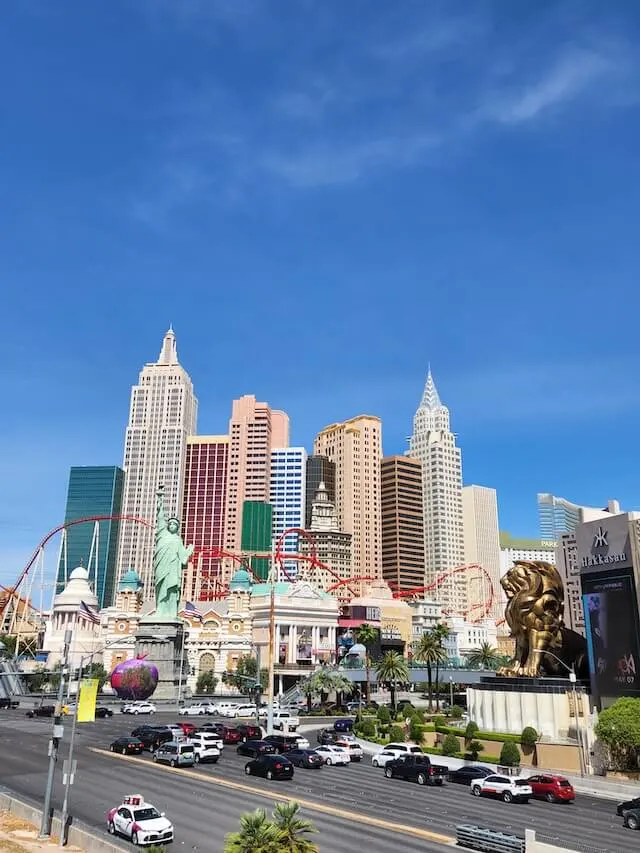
x=472 y=164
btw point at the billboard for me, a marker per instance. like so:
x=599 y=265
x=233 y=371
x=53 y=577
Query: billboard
x=612 y=631
x=603 y=543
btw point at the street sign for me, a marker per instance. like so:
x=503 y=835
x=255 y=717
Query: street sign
x=65 y=772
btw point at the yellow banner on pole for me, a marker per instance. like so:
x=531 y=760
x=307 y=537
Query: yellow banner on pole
x=87 y=700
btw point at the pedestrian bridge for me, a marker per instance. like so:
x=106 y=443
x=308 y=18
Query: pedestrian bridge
x=419 y=674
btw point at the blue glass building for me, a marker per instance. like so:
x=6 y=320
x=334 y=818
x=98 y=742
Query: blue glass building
x=93 y=491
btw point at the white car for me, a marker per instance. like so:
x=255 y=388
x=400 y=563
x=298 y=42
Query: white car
x=244 y=711
x=206 y=747
x=138 y=708
x=140 y=821
x=198 y=709
x=380 y=759
x=356 y=753
x=285 y=720
x=506 y=788
x=226 y=709
x=333 y=754
x=400 y=749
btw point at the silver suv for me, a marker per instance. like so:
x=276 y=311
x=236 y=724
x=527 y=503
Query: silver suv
x=175 y=754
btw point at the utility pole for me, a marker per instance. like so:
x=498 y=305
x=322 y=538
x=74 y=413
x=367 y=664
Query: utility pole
x=56 y=737
x=272 y=631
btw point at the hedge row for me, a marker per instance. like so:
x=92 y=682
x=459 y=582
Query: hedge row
x=434 y=750
x=498 y=737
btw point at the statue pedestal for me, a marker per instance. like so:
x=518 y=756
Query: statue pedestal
x=161 y=644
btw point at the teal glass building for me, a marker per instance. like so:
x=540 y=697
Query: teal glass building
x=93 y=490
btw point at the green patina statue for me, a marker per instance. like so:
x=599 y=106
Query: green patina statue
x=169 y=556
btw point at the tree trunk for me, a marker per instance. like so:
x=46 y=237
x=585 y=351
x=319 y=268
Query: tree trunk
x=429 y=688
x=392 y=690
x=438 y=686
x=366 y=664
x=309 y=702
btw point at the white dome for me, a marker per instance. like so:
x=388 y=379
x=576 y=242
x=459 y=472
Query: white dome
x=76 y=590
x=79 y=574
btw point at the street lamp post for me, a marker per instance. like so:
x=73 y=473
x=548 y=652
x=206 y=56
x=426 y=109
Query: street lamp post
x=451 y=691
x=573 y=679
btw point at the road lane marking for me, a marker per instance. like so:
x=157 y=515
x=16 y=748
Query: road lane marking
x=415 y=831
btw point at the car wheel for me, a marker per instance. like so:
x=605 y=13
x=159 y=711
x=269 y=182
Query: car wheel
x=329 y=762
x=112 y=828
x=112 y=748
x=632 y=822
x=136 y=713
x=269 y=775
x=196 y=758
x=388 y=772
x=375 y=763
x=507 y=797
x=247 y=771
x=172 y=763
x=123 y=751
x=155 y=757
x=476 y=790
x=438 y=783
x=550 y=798
x=134 y=838
x=422 y=779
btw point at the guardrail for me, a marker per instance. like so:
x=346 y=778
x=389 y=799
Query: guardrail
x=488 y=840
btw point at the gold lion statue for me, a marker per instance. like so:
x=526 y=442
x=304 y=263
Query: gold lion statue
x=535 y=615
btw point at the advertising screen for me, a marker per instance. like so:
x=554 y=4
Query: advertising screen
x=613 y=636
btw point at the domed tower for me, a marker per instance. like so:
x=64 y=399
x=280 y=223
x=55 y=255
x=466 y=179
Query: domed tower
x=129 y=595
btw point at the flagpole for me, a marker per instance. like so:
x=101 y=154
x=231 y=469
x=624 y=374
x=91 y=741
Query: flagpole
x=181 y=668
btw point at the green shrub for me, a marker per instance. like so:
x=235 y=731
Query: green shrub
x=366 y=729
x=450 y=745
x=529 y=736
x=384 y=715
x=472 y=730
x=405 y=707
x=456 y=712
x=474 y=749
x=439 y=720
x=396 y=733
x=510 y=755
x=416 y=730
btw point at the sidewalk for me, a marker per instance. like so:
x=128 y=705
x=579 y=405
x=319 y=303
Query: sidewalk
x=597 y=786
x=18 y=836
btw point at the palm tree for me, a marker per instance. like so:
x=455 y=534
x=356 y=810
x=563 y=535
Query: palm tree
x=342 y=685
x=308 y=688
x=484 y=657
x=367 y=635
x=323 y=680
x=394 y=669
x=429 y=651
x=293 y=829
x=256 y=835
x=441 y=632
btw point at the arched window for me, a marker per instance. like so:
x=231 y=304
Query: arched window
x=207 y=663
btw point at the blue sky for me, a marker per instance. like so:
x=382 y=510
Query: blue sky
x=322 y=197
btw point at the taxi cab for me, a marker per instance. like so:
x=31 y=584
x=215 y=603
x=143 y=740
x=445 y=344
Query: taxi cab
x=141 y=822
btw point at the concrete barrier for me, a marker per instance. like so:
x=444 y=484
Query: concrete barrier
x=532 y=845
x=78 y=835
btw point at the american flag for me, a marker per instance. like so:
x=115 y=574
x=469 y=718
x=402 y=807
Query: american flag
x=190 y=610
x=87 y=613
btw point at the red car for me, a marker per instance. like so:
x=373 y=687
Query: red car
x=187 y=728
x=553 y=789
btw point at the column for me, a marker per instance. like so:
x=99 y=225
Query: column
x=280 y=685
x=293 y=643
x=276 y=642
x=315 y=642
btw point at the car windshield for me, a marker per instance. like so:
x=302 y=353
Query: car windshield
x=146 y=814
x=522 y=781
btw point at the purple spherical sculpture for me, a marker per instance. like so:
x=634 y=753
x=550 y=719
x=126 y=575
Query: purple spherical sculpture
x=134 y=679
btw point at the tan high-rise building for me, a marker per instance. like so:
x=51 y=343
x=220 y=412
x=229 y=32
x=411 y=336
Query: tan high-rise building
x=402 y=522
x=255 y=429
x=162 y=414
x=332 y=546
x=355 y=447
x=482 y=547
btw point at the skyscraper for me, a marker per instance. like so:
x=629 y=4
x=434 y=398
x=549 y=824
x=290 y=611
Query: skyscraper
x=257 y=523
x=558 y=515
x=355 y=447
x=482 y=546
x=254 y=429
x=332 y=546
x=163 y=412
x=203 y=512
x=93 y=491
x=435 y=445
x=288 y=488
x=402 y=522
x=320 y=469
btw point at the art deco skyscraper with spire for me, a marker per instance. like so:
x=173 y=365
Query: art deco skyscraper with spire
x=162 y=413
x=435 y=445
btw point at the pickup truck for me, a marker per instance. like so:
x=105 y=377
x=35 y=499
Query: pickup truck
x=416 y=768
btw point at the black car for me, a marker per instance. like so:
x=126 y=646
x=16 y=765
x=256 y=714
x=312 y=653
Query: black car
x=621 y=808
x=283 y=743
x=416 y=768
x=127 y=746
x=344 y=724
x=249 y=732
x=152 y=738
x=255 y=748
x=9 y=703
x=632 y=819
x=42 y=711
x=270 y=766
x=102 y=711
x=464 y=775
x=327 y=737
x=308 y=758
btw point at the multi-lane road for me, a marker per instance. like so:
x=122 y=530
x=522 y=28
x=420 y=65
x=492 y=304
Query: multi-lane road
x=349 y=805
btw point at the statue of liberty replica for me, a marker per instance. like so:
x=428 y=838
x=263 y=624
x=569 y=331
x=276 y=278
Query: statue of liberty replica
x=160 y=638
x=169 y=557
